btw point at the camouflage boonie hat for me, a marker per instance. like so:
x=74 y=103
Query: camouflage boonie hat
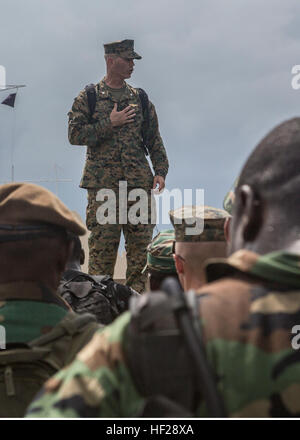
x=160 y=253
x=229 y=199
x=209 y=221
x=122 y=49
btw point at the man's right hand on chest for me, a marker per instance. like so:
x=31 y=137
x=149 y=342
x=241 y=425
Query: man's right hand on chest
x=123 y=117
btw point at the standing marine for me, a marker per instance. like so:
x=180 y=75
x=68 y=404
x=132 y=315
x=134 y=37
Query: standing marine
x=119 y=126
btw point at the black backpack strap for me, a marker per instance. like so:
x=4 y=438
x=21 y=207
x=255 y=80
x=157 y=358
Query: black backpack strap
x=191 y=333
x=145 y=108
x=91 y=97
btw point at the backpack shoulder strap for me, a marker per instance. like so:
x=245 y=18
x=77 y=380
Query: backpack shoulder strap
x=144 y=100
x=69 y=325
x=145 y=108
x=91 y=97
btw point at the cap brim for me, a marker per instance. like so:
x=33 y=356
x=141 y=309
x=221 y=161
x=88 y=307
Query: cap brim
x=136 y=56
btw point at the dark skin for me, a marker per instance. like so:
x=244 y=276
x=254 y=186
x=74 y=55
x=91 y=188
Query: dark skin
x=75 y=264
x=42 y=260
x=261 y=227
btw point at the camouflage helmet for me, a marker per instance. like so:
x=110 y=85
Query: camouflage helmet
x=198 y=223
x=123 y=49
x=160 y=253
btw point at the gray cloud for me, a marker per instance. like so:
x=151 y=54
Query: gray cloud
x=219 y=73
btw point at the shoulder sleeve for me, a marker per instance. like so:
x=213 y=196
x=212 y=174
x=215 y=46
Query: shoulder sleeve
x=157 y=150
x=80 y=128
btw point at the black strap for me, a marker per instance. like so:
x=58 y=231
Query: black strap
x=145 y=128
x=91 y=97
x=99 y=280
x=191 y=333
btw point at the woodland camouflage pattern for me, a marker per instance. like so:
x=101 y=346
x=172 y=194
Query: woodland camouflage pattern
x=104 y=242
x=160 y=253
x=185 y=217
x=230 y=198
x=115 y=154
x=29 y=311
x=247 y=323
x=122 y=49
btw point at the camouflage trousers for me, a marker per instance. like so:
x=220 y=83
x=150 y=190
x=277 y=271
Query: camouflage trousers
x=104 y=243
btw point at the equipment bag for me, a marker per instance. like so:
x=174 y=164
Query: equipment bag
x=24 y=368
x=99 y=295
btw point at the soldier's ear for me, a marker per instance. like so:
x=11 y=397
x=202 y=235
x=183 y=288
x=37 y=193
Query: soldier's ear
x=178 y=264
x=248 y=218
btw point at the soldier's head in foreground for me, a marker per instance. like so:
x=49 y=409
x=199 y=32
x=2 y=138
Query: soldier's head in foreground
x=35 y=234
x=267 y=198
x=160 y=261
x=119 y=57
x=192 y=250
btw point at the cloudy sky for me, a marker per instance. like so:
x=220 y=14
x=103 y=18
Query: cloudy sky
x=218 y=72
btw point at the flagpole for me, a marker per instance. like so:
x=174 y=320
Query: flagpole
x=13 y=144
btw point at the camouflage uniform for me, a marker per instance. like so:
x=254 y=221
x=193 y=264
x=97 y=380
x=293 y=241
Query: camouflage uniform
x=115 y=154
x=246 y=318
x=229 y=199
x=42 y=334
x=189 y=220
x=30 y=311
x=160 y=253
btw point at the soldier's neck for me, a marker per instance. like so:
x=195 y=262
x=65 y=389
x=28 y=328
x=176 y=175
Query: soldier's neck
x=73 y=265
x=115 y=82
x=194 y=282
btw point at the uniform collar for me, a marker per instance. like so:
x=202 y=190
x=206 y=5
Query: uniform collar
x=282 y=267
x=30 y=291
x=104 y=92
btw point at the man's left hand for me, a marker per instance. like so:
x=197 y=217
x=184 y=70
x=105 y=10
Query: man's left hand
x=160 y=181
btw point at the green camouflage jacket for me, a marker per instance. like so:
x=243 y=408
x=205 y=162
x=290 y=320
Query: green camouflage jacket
x=115 y=153
x=247 y=317
x=39 y=335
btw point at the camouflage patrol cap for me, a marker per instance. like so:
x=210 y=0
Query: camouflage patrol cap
x=160 y=253
x=26 y=208
x=122 y=49
x=198 y=223
x=229 y=199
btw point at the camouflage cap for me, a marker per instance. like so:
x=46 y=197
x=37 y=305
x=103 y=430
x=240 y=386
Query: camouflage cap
x=229 y=199
x=198 y=223
x=25 y=207
x=122 y=48
x=160 y=253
